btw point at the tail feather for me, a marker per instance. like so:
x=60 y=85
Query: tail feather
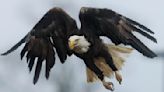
x=16 y=46
x=117 y=53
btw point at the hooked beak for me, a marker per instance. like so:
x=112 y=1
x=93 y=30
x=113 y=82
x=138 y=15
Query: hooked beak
x=71 y=44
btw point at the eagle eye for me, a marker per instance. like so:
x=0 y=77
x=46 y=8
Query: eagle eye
x=76 y=40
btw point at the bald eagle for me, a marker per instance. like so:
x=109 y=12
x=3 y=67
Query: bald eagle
x=58 y=30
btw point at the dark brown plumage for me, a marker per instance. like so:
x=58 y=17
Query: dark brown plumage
x=51 y=31
x=56 y=26
x=105 y=22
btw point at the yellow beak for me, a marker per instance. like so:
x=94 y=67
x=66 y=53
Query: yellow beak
x=71 y=44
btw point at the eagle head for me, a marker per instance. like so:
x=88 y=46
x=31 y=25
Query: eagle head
x=78 y=44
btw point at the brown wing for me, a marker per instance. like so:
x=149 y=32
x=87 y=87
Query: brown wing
x=51 y=31
x=105 y=22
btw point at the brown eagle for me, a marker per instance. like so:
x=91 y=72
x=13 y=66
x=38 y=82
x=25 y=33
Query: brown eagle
x=57 y=30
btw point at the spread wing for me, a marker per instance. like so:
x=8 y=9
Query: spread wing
x=105 y=22
x=51 y=31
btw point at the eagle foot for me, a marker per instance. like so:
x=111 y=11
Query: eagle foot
x=108 y=85
x=118 y=76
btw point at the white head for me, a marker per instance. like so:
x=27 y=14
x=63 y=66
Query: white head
x=78 y=44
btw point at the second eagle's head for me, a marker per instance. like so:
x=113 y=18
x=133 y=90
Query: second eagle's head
x=78 y=44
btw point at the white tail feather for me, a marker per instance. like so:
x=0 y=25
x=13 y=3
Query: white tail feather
x=118 y=54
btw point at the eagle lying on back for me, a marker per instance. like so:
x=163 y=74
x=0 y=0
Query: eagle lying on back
x=58 y=30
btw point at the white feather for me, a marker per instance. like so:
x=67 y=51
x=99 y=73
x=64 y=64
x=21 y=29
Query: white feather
x=82 y=45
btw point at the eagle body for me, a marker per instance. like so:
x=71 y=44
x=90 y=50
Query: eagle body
x=97 y=49
x=57 y=30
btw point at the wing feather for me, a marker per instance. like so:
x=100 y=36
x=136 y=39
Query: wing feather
x=56 y=24
x=38 y=69
x=31 y=63
x=138 y=24
x=105 y=22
